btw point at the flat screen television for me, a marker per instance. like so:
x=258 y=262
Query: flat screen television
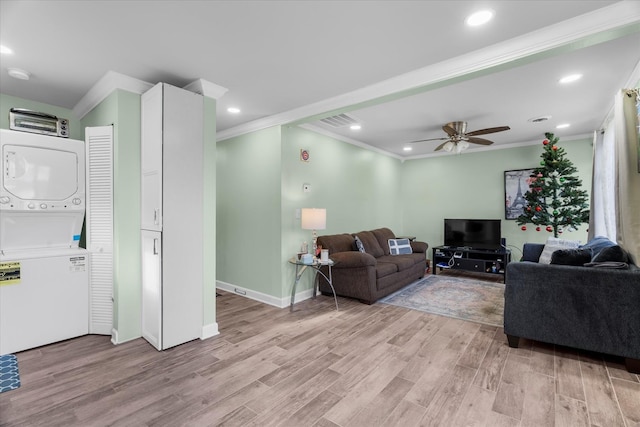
x=472 y=233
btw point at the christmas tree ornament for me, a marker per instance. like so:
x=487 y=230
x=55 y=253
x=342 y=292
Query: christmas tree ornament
x=538 y=228
x=554 y=148
x=538 y=208
x=555 y=212
x=549 y=228
x=523 y=228
x=545 y=142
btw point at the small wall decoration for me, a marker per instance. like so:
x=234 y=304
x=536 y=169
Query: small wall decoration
x=516 y=184
x=304 y=155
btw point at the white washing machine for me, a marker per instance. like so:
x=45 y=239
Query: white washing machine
x=44 y=277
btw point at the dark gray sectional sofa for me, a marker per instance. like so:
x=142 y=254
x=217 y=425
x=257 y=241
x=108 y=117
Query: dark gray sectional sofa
x=591 y=308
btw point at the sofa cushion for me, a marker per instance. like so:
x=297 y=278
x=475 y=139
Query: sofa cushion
x=359 y=245
x=385 y=269
x=382 y=236
x=370 y=243
x=399 y=247
x=574 y=256
x=552 y=245
x=336 y=242
x=403 y=262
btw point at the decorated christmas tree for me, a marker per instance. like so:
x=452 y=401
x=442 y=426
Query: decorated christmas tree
x=555 y=200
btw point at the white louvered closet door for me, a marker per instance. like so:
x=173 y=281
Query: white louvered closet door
x=99 y=227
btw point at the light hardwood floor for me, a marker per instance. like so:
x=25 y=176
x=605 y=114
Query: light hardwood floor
x=376 y=365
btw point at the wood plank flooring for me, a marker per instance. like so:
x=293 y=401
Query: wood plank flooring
x=376 y=365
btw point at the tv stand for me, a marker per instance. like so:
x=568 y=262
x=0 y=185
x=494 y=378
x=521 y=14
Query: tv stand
x=468 y=259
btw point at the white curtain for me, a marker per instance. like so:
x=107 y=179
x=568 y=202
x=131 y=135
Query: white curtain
x=627 y=142
x=602 y=220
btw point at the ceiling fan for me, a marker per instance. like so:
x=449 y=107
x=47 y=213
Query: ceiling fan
x=458 y=138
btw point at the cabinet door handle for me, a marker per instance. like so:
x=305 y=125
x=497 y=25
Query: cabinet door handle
x=155 y=246
x=156 y=216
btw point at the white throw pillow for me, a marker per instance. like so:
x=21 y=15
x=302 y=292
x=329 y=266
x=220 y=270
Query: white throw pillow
x=552 y=245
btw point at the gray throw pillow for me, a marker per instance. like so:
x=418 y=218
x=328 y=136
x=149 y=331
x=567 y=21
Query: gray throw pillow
x=611 y=254
x=578 y=256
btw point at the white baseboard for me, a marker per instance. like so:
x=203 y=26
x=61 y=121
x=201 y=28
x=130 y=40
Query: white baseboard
x=210 y=330
x=259 y=296
x=115 y=339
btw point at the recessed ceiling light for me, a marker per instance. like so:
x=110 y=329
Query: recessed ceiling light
x=408 y=148
x=563 y=125
x=355 y=127
x=5 y=50
x=17 y=73
x=570 y=78
x=233 y=110
x=479 y=18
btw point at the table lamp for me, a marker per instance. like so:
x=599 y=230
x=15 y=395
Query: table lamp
x=314 y=219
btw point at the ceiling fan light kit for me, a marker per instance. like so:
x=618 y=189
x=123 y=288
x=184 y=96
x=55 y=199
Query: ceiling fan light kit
x=458 y=138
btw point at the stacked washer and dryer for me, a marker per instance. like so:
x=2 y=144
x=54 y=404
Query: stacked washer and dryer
x=44 y=274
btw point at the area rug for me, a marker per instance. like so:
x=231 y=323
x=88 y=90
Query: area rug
x=9 y=375
x=461 y=298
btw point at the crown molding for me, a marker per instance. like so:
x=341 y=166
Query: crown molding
x=348 y=140
x=103 y=88
x=206 y=88
x=600 y=25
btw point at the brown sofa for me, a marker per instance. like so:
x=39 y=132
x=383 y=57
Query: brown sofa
x=375 y=273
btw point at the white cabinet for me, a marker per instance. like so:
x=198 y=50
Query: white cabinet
x=172 y=215
x=152 y=287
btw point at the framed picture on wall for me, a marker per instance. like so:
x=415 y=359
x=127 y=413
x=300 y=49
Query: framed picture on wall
x=516 y=184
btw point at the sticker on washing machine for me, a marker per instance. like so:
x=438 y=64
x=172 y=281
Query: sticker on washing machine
x=77 y=264
x=9 y=273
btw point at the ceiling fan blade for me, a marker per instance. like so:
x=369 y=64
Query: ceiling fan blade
x=430 y=139
x=439 y=147
x=480 y=141
x=488 y=130
x=449 y=130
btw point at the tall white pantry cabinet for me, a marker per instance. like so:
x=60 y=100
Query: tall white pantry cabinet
x=172 y=215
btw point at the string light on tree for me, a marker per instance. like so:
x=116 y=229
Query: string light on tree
x=555 y=199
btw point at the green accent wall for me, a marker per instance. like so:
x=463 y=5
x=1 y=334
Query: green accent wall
x=248 y=211
x=260 y=179
x=122 y=109
x=471 y=185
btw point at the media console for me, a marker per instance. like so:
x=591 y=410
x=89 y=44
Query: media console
x=468 y=259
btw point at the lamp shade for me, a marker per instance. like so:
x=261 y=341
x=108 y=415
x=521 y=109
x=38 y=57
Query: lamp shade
x=314 y=219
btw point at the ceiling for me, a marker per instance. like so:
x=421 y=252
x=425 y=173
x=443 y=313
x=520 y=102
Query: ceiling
x=401 y=68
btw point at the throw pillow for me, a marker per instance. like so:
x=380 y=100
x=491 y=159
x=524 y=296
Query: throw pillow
x=552 y=245
x=399 y=247
x=611 y=254
x=578 y=256
x=597 y=244
x=359 y=245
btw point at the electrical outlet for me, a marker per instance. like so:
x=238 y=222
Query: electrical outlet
x=306 y=188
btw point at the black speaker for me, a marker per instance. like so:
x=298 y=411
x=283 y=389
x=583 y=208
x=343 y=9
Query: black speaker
x=503 y=242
